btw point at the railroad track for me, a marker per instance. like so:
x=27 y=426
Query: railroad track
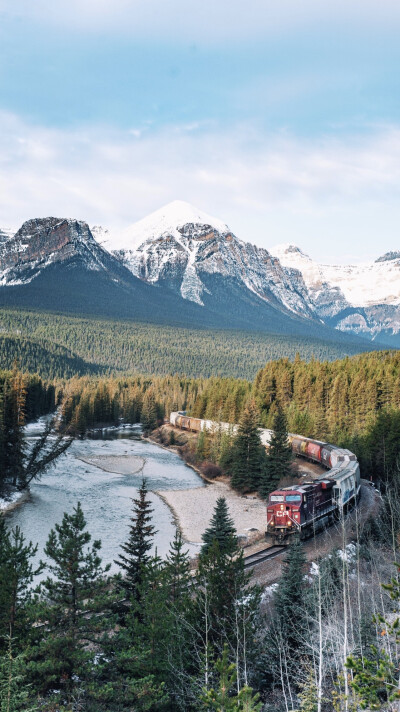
x=269 y=553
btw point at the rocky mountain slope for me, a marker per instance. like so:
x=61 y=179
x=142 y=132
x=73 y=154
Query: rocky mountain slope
x=362 y=299
x=40 y=243
x=190 y=252
x=178 y=266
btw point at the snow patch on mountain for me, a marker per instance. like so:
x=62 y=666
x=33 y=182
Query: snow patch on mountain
x=166 y=221
x=361 y=285
x=6 y=233
x=363 y=299
x=179 y=245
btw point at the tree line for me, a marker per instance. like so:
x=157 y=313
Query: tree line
x=54 y=345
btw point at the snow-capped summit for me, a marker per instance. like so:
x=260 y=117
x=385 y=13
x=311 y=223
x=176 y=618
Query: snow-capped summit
x=189 y=251
x=166 y=220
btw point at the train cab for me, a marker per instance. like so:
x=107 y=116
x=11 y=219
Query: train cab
x=284 y=513
x=303 y=510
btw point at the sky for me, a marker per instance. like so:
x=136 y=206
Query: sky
x=280 y=118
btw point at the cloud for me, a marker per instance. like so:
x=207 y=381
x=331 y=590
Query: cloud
x=267 y=187
x=202 y=20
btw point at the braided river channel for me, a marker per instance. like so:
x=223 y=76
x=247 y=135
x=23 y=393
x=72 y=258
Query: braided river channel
x=104 y=474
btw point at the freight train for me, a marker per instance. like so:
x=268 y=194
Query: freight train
x=302 y=509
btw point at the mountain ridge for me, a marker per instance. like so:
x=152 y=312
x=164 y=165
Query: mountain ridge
x=189 y=269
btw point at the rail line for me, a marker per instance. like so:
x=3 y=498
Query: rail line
x=269 y=553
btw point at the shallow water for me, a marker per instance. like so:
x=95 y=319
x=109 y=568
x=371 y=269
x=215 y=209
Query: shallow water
x=106 y=498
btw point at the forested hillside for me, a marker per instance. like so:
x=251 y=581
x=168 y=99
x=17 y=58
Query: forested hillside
x=94 y=345
x=46 y=358
x=353 y=401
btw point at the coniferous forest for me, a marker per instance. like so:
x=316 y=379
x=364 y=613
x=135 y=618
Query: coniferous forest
x=175 y=634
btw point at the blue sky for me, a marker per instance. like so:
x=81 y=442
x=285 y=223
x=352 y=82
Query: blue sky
x=284 y=121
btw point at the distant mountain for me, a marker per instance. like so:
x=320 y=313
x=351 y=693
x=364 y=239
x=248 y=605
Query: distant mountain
x=363 y=299
x=188 y=269
x=196 y=255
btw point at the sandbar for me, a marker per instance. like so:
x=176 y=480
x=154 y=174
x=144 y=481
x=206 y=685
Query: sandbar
x=118 y=464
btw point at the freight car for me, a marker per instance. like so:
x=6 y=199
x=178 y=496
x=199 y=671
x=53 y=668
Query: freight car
x=303 y=509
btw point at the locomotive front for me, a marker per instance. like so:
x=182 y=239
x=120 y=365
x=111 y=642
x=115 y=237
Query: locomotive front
x=284 y=513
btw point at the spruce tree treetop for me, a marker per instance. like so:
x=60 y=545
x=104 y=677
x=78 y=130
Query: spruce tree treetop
x=221 y=529
x=136 y=549
x=248 y=454
x=279 y=456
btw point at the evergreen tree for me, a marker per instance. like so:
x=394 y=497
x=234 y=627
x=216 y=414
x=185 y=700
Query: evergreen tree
x=149 y=412
x=248 y=454
x=135 y=666
x=290 y=603
x=17 y=573
x=70 y=603
x=177 y=571
x=223 y=595
x=179 y=643
x=14 y=691
x=279 y=456
x=13 y=421
x=136 y=549
x=222 y=697
x=221 y=529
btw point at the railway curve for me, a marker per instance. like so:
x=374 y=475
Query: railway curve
x=301 y=509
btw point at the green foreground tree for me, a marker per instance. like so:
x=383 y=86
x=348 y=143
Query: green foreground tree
x=279 y=456
x=136 y=550
x=246 y=459
x=63 y=645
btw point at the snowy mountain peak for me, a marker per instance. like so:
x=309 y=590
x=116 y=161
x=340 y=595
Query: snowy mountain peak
x=190 y=252
x=288 y=248
x=167 y=221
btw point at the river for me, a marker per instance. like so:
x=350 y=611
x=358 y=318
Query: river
x=106 y=497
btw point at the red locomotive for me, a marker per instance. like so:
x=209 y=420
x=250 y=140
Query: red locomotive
x=303 y=509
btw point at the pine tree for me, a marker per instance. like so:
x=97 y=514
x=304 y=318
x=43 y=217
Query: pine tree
x=70 y=603
x=222 y=697
x=248 y=454
x=136 y=549
x=223 y=595
x=177 y=571
x=149 y=412
x=179 y=642
x=279 y=456
x=221 y=529
x=135 y=666
x=14 y=395
x=14 y=691
x=17 y=573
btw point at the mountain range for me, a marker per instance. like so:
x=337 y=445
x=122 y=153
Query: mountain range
x=362 y=299
x=183 y=267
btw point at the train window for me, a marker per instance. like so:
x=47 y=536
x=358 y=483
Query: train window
x=293 y=498
x=277 y=498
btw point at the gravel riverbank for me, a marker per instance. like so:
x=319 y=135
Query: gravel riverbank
x=193 y=509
